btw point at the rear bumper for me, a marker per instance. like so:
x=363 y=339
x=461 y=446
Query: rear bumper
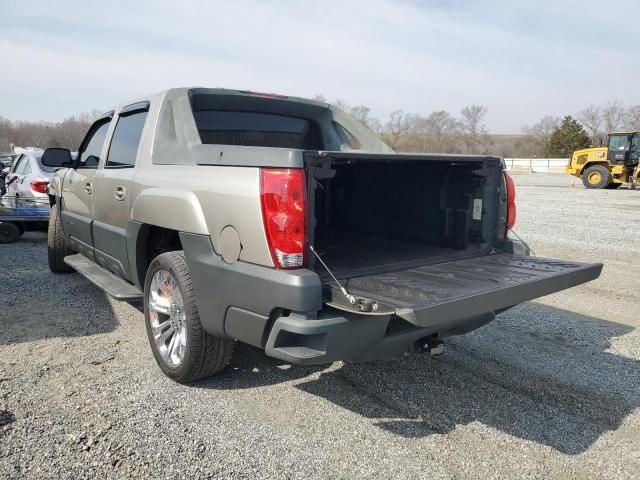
x=335 y=336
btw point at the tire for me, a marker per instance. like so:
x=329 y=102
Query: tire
x=182 y=348
x=57 y=247
x=596 y=176
x=9 y=232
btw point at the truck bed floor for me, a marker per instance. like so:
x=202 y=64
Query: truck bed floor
x=349 y=254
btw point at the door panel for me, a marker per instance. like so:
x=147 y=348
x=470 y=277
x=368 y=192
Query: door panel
x=76 y=213
x=78 y=188
x=111 y=217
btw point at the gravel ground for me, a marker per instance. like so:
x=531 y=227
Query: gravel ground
x=551 y=389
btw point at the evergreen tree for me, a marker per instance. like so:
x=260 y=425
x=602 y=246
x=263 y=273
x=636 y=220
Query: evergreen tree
x=567 y=138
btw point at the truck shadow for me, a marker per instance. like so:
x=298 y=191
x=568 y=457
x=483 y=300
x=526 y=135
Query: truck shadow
x=36 y=304
x=538 y=373
x=251 y=368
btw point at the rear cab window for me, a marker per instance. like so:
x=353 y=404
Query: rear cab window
x=256 y=129
x=256 y=120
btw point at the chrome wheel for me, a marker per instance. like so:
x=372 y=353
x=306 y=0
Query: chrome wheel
x=167 y=318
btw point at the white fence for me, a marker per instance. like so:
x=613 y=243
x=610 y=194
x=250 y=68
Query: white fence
x=537 y=164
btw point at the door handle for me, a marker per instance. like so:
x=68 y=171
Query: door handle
x=88 y=188
x=120 y=193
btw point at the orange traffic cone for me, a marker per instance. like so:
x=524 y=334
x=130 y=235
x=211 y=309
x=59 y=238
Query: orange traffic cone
x=573 y=183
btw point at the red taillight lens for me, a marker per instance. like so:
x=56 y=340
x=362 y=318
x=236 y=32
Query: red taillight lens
x=39 y=186
x=283 y=198
x=511 y=201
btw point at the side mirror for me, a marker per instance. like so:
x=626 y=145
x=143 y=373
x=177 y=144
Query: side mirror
x=57 y=157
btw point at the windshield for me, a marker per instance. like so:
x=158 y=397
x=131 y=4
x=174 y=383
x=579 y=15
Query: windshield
x=619 y=143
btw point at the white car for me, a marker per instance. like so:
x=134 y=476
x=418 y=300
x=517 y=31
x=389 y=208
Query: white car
x=27 y=182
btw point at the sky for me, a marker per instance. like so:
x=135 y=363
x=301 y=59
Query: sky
x=522 y=59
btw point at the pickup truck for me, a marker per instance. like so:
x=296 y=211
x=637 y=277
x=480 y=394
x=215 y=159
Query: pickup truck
x=286 y=224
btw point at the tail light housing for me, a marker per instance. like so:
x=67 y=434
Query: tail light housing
x=39 y=186
x=511 y=201
x=283 y=199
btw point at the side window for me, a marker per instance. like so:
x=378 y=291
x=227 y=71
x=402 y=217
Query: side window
x=125 y=140
x=92 y=145
x=16 y=164
x=24 y=167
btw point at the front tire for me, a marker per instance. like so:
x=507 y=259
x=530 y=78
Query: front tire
x=596 y=176
x=182 y=348
x=57 y=247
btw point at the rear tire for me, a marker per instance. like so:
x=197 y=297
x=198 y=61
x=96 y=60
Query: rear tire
x=9 y=232
x=170 y=311
x=57 y=247
x=596 y=176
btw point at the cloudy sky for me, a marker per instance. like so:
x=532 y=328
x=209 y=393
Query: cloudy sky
x=522 y=59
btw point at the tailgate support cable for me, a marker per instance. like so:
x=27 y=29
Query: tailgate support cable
x=525 y=243
x=351 y=298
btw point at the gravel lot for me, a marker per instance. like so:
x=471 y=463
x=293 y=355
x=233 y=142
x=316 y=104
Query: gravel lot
x=549 y=390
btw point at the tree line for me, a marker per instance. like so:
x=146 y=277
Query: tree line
x=68 y=133
x=435 y=132
x=442 y=132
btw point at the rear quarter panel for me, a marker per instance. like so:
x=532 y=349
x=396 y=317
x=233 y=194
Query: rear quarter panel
x=204 y=200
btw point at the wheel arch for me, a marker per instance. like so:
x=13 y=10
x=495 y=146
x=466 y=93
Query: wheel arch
x=593 y=163
x=144 y=243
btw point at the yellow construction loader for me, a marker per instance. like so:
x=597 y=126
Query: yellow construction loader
x=608 y=166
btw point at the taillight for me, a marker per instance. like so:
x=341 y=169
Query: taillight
x=283 y=198
x=39 y=186
x=511 y=201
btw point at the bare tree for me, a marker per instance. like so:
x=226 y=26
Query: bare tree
x=437 y=133
x=632 y=120
x=360 y=113
x=473 y=126
x=341 y=105
x=542 y=130
x=613 y=116
x=591 y=119
x=398 y=125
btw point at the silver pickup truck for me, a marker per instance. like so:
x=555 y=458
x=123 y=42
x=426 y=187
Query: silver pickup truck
x=286 y=224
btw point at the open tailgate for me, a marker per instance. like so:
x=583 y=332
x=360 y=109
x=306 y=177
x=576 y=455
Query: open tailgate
x=446 y=292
